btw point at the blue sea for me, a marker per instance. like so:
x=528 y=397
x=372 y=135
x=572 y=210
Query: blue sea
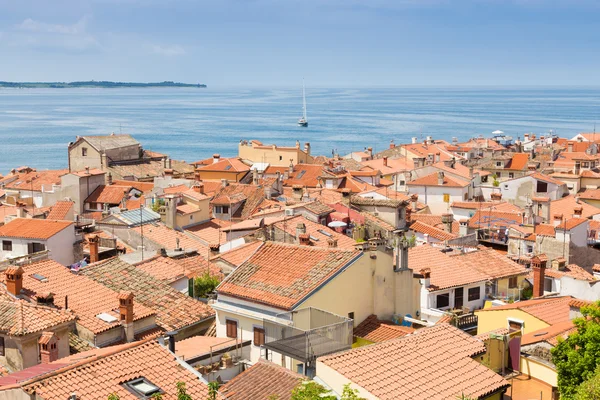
x=36 y=125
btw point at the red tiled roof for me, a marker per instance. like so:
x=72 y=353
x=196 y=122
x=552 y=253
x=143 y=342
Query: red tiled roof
x=315 y=231
x=262 y=381
x=471 y=205
x=239 y=255
x=167 y=238
x=432 y=363
x=282 y=275
x=493 y=219
x=91 y=172
x=376 y=330
x=432 y=180
x=96 y=374
x=492 y=263
x=211 y=231
x=24 y=181
x=251 y=195
x=143 y=187
x=548 y=334
x=566 y=205
x=550 y=310
x=518 y=162
x=226 y=165
x=112 y=194
x=176 y=189
x=30 y=228
x=19 y=318
x=305 y=175
x=572 y=270
x=590 y=194
x=432 y=231
x=197 y=266
x=545 y=178
x=433 y=220
x=199 y=345
x=86 y=298
x=60 y=210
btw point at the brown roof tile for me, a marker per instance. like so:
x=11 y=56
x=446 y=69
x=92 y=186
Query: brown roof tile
x=432 y=180
x=432 y=363
x=281 y=275
x=19 y=318
x=60 y=210
x=432 y=231
x=262 y=381
x=30 y=228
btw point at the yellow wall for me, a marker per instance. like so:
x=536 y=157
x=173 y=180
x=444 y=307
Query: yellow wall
x=493 y=319
x=503 y=286
x=538 y=371
x=231 y=176
x=274 y=155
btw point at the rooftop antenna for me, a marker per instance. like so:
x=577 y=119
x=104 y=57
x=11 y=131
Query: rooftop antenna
x=120 y=129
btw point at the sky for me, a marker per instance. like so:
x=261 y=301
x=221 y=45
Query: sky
x=331 y=43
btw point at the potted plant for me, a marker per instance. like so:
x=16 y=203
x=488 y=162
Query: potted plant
x=226 y=360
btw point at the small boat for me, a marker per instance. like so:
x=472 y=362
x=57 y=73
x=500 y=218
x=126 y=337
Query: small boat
x=303 y=121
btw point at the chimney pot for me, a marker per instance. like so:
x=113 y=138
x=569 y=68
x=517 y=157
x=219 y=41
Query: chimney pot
x=93 y=241
x=385 y=161
x=216 y=158
x=332 y=242
x=538 y=264
x=109 y=179
x=14 y=280
x=48 y=347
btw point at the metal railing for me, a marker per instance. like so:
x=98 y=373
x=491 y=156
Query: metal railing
x=307 y=334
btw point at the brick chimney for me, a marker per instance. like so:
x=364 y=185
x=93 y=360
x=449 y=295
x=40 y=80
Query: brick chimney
x=48 y=347
x=496 y=196
x=304 y=239
x=577 y=211
x=126 y=313
x=199 y=188
x=109 y=180
x=392 y=145
x=414 y=202
x=14 y=280
x=385 y=161
x=214 y=249
x=300 y=230
x=94 y=242
x=332 y=242
x=447 y=220
x=538 y=263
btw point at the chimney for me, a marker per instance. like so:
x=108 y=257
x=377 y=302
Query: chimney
x=463 y=230
x=300 y=230
x=557 y=219
x=87 y=170
x=570 y=146
x=48 y=347
x=440 y=178
x=20 y=209
x=214 y=249
x=426 y=274
x=216 y=158
x=124 y=200
x=447 y=220
x=385 y=161
x=577 y=211
x=224 y=183
x=413 y=140
x=414 y=202
x=496 y=196
x=168 y=172
x=452 y=162
x=171 y=211
x=392 y=145
x=538 y=263
x=291 y=167
x=402 y=254
x=332 y=242
x=169 y=163
x=307 y=149
x=416 y=163
x=255 y=176
x=346 y=193
x=407 y=214
x=171 y=336
x=126 y=314
x=471 y=172
x=14 y=280
x=109 y=180
x=297 y=192
x=165 y=165
x=197 y=176
x=199 y=188
x=437 y=157
x=370 y=152
x=93 y=241
x=304 y=239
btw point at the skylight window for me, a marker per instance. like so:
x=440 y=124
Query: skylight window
x=106 y=318
x=314 y=238
x=227 y=168
x=300 y=174
x=39 y=277
x=142 y=388
x=321 y=231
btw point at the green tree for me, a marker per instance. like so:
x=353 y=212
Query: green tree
x=590 y=389
x=350 y=394
x=181 y=392
x=156 y=396
x=311 y=390
x=205 y=284
x=578 y=357
x=113 y=396
x=213 y=388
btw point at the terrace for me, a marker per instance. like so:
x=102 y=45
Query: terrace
x=307 y=334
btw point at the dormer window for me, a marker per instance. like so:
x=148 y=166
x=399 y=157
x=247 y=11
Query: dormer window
x=142 y=388
x=84 y=151
x=498 y=163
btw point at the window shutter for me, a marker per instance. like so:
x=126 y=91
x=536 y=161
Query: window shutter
x=29 y=248
x=2 y=353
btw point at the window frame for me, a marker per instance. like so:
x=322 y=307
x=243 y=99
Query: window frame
x=129 y=385
x=541 y=184
x=84 y=152
x=471 y=297
x=513 y=282
x=437 y=305
x=2 y=347
x=227 y=328
x=7 y=245
x=260 y=330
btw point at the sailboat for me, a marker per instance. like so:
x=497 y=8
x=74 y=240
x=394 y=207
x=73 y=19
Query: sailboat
x=303 y=121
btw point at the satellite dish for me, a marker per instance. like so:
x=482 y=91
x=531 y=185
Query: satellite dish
x=498 y=132
x=337 y=224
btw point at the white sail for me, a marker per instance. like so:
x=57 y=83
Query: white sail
x=304 y=120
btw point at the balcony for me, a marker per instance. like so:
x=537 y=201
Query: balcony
x=307 y=334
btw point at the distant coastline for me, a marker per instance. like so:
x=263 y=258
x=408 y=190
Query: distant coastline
x=95 y=84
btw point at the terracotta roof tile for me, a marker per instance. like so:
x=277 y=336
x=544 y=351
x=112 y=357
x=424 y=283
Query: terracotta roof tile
x=96 y=374
x=305 y=175
x=550 y=310
x=23 y=181
x=432 y=180
x=211 y=231
x=251 y=195
x=174 y=310
x=33 y=228
x=143 y=187
x=492 y=263
x=281 y=275
x=319 y=234
x=112 y=194
x=548 y=334
x=494 y=219
x=498 y=331
x=262 y=381
x=376 y=330
x=566 y=205
x=199 y=345
x=432 y=363
x=572 y=270
x=60 y=210
x=226 y=164
x=86 y=298
x=196 y=265
x=518 y=162
x=433 y=220
x=19 y=318
x=432 y=231
x=239 y=255
x=168 y=238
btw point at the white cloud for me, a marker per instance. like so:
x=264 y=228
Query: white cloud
x=31 y=25
x=168 y=50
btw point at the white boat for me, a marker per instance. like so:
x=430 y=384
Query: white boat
x=303 y=121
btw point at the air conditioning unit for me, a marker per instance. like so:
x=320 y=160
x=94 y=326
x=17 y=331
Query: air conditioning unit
x=289 y=212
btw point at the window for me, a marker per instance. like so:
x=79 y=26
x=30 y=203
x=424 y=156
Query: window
x=191 y=217
x=84 y=151
x=542 y=187
x=530 y=249
x=7 y=245
x=142 y=388
x=351 y=316
x=280 y=158
x=35 y=247
x=259 y=336
x=548 y=284
x=474 y=293
x=511 y=175
x=499 y=174
x=222 y=209
x=442 y=300
x=2 y=353
x=231 y=328
x=498 y=163
x=513 y=282
x=458 y=297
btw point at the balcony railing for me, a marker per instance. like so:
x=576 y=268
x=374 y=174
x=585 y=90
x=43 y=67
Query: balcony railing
x=307 y=334
x=466 y=322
